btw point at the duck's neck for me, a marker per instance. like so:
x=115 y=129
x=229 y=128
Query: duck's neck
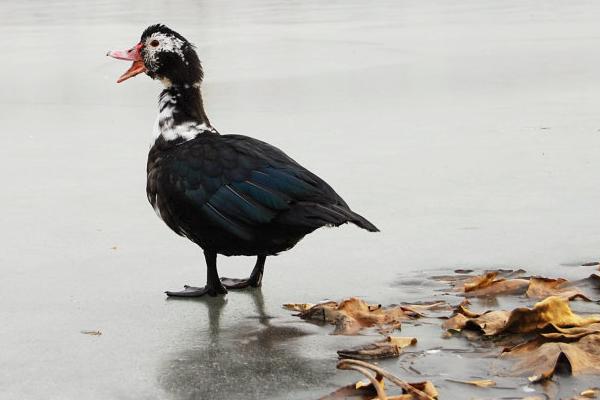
x=181 y=114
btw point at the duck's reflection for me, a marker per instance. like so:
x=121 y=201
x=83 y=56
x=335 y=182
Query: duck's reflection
x=252 y=358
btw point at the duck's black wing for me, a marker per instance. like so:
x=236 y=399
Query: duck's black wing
x=242 y=184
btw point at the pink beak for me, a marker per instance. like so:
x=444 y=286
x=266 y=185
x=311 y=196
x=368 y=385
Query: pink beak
x=134 y=54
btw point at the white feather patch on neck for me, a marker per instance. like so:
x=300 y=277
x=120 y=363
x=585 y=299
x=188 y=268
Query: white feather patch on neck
x=166 y=128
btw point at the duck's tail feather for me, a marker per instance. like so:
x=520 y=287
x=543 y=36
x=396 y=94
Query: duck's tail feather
x=357 y=219
x=314 y=215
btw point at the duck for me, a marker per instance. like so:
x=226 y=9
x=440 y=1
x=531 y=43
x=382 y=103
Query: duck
x=230 y=194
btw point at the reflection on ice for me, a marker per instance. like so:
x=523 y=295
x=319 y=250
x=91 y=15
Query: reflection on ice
x=243 y=360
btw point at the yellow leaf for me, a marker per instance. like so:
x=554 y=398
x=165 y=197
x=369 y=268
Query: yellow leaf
x=482 y=383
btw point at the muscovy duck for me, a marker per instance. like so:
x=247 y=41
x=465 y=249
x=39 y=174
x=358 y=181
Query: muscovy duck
x=229 y=194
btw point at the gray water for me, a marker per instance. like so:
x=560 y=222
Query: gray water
x=468 y=133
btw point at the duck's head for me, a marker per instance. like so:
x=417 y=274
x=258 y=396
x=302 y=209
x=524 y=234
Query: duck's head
x=162 y=54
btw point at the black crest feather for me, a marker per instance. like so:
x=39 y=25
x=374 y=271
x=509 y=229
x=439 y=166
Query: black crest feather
x=162 y=29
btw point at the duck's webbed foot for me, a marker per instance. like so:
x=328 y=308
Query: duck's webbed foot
x=213 y=287
x=193 y=291
x=255 y=279
x=236 y=283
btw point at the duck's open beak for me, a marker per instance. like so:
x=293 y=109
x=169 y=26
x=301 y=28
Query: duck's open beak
x=134 y=54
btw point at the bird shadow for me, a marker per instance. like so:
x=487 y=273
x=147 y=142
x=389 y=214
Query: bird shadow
x=253 y=357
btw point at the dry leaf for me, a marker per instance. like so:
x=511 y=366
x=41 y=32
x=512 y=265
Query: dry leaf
x=420 y=310
x=297 y=306
x=541 y=358
x=490 y=284
x=362 y=391
x=376 y=374
x=482 y=383
x=552 y=311
x=489 y=322
x=591 y=393
x=92 y=333
x=460 y=316
x=462 y=309
x=389 y=347
x=553 y=314
x=352 y=315
x=497 y=283
x=460 y=277
x=425 y=387
x=480 y=282
x=540 y=288
x=354 y=392
x=574 y=333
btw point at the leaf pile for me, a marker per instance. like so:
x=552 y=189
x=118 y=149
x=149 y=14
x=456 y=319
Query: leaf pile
x=563 y=338
x=549 y=315
x=541 y=339
x=352 y=315
x=494 y=284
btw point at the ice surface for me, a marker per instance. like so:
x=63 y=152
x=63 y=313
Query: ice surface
x=468 y=133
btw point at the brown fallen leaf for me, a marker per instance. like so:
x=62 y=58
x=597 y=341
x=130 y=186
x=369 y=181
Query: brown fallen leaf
x=590 y=393
x=498 y=283
x=552 y=311
x=480 y=282
x=460 y=278
x=425 y=387
x=357 y=391
x=572 y=333
x=92 y=333
x=551 y=314
x=353 y=314
x=464 y=310
x=420 y=310
x=488 y=323
x=491 y=284
x=297 y=306
x=540 y=288
x=540 y=358
x=376 y=374
x=482 y=383
x=456 y=323
x=390 y=347
x=459 y=317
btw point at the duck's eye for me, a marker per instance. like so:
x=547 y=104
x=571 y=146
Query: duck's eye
x=154 y=43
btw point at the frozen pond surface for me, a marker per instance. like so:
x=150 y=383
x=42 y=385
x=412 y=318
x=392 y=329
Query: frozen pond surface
x=468 y=133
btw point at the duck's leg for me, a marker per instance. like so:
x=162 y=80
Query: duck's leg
x=213 y=283
x=255 y=279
